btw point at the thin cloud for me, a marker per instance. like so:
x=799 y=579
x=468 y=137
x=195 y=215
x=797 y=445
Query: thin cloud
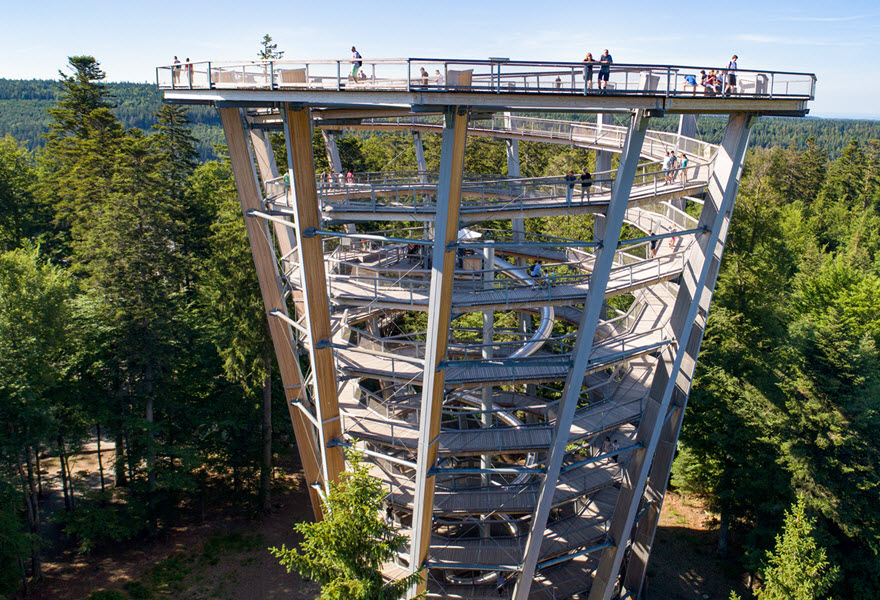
x=825 y=19
x=793 y=41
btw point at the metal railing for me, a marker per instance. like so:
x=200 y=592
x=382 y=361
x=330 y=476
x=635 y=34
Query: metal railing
x=487 y=76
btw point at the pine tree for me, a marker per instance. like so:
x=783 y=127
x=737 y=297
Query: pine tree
x=798 y=568
x=269 y=50
x=345 y=551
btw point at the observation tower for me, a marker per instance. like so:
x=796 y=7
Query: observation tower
x=522 y=423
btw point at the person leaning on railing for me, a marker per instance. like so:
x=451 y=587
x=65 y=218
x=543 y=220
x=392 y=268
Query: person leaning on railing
x=588 y=70
x=605 y=70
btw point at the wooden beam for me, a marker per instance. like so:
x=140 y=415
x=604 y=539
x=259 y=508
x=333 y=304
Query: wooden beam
x=580 y=358
x=439 y=311
x=304 y=200
x=267 y=274
x=694 y=279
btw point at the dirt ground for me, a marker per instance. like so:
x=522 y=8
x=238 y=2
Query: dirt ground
x=226 y=558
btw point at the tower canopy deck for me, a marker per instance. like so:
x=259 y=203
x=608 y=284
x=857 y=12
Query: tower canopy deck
x=490 y=85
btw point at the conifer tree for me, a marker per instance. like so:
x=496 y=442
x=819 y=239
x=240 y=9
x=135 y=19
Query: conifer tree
x=345 y=551
x=798 y=568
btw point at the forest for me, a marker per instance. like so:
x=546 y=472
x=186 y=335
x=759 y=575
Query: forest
x=24 y=116
x=130 y=311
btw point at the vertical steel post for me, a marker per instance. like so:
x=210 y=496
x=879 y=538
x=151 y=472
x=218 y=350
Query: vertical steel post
x=722 y=186
x=593 y=304
x=658 y=478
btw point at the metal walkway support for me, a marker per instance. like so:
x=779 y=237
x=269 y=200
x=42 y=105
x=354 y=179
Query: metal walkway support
x=439 y=313
x=304 y=200
x=694 y=280
x=658 y=478
x=603 y=264
x=246 y=182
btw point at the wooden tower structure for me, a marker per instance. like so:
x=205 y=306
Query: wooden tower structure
x=526 y=434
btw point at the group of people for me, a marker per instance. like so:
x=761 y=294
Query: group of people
x=177 y=69
x=715 y=83
x=670 y=163
x=338 y=178
x=605 y=62
x=609 y=447
x=426 y=77
x=586 y=181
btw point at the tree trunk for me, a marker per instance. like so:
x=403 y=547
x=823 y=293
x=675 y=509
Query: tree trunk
x=266 y=463
x=100 y=460
x=33 y=513
x=39 y=473
x=68 y=505
x=723 y=531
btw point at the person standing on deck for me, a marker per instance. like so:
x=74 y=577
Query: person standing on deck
x=188 y=67
x=605 y=70
x=439 y=77
x=586 y=182
x=356 y=62
x=588 y=70
x=731 y=76
x=176 y=71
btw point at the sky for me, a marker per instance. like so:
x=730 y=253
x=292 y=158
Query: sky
x=838 y=41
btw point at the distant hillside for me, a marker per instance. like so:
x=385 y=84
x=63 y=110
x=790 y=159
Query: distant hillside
x=23 y=105
x=23 y=115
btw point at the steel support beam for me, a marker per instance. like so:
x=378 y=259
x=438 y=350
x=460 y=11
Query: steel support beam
x=439 y=312
x=658 y=477
x=304 y=201
x=694 y=280
x=604 y=262
x=250 y=196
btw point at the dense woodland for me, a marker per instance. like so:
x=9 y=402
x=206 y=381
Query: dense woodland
x=24 y=115
x=129 y=310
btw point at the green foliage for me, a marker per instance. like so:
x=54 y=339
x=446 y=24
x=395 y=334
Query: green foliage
x=107 y=595
x=798 y=568
x=344 y=552
x=269 y=51
x=104 y=519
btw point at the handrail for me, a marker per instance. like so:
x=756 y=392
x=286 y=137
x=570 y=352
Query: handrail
x=473 y=75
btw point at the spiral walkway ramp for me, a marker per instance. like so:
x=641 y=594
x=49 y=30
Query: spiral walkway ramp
x=522 y=424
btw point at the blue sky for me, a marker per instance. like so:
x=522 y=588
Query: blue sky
x=838 y=41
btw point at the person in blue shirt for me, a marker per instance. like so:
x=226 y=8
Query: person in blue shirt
x=605 y=70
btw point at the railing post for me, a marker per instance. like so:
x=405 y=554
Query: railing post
x=408 y=74
x=272 y=75
x=338 y=75
x=210 y=79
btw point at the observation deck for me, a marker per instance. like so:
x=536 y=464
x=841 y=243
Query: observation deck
x=523 y=421
x=491 y=85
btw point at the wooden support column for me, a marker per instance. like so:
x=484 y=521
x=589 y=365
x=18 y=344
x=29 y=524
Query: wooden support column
x=603 y=157
x=273 y=300
x=694 y=280
x=439 y=309
x=658 y=478
x=593 y=304
x=304 y=201
x=265 y=159
x=332 y=151
x=420 y=156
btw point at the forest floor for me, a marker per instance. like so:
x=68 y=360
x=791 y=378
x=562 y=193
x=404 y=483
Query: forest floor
x=226 y=557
